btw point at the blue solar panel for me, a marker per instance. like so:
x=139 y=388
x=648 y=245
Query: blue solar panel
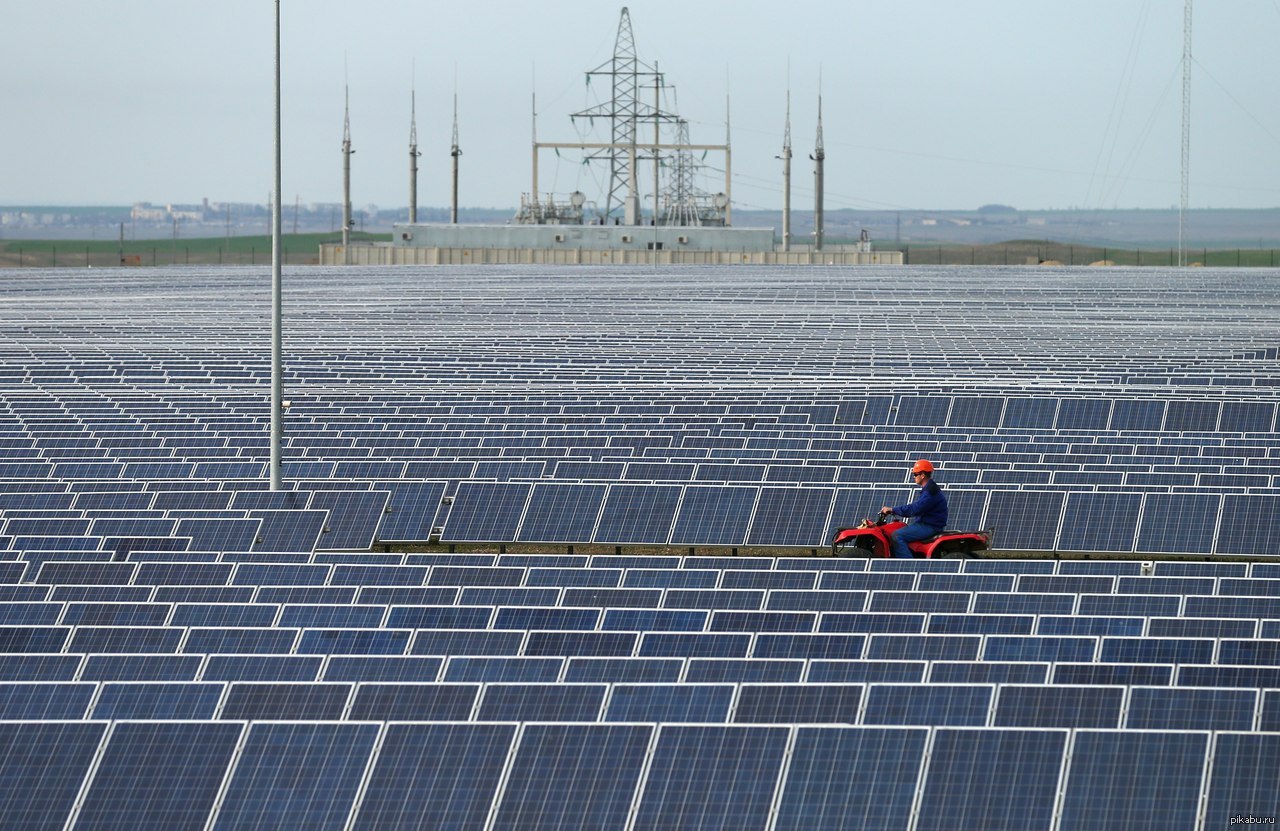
x=275 y=668
x=354 y=642
x=41 y=769
x=924 y=647
x=725 y=776
x=807 y=646
x=1133 y=780
x=289 y=531
x=485 y=512
x=414 y=702
x=991 y=779
x=562 y=513
x=743 y=671
x=934 y=705
x=159 y=775
x=411 y=511
x=44 y=701
x=265 y=641
x=582 y=644
x=854 y=779
x=382 y=668
x=987 y=672
x=669 y=620
x=1099 y=522
x=158 y=701
x=499 y=669
x=543 y=618
x=307 y=773
x=864 y=672
x=1241 y=781
x=670 y=703
x=435 y=776
x=1250 y=525
x=1177 y=523
x=791 y=517
x=1025 y=520
x=714 y=515
x=1181 y=708
x=1039 y=648
x=1058 y=706
x=573 y=776
x=638 y=514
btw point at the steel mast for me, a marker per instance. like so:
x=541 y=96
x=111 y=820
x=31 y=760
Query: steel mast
x=413 y=157
x=786 y=178
x=346 y=176
x=1186 y=133
x=819 y=155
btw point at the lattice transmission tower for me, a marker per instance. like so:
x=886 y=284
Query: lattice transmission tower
x=627 y=76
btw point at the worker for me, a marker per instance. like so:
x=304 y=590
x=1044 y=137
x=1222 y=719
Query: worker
x=929 y=510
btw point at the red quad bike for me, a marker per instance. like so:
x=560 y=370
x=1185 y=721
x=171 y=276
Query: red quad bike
x=870 y=538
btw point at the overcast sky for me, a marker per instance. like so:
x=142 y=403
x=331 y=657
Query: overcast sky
x=931 y=104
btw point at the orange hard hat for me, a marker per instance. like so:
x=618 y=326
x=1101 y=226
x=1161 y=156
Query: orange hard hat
x=923 y=466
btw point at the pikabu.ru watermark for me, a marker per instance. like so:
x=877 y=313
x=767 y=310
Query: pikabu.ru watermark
x=1250 y=819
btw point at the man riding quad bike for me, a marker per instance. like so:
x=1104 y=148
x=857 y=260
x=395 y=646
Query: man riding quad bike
x=923 y=538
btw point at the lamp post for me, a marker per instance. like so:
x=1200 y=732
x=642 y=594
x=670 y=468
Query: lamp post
x=277 y=403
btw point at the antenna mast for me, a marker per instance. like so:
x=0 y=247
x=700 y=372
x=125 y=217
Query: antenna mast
x=819 y=155
x=413 y=157
x=1186 y=132
x=786 y=178
x=455 y=152
x=346 y=175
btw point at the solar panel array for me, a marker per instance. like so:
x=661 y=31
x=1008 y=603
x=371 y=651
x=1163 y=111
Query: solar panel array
x=1120 y=411
x=522 y=690
x=181 y=647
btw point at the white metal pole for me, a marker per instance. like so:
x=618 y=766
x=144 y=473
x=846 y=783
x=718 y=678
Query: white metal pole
x=277 y=401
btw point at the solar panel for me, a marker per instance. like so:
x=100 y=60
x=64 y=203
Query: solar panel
x=413 y=702
x=934 y=705
x=1026 y=520
x=791 y=516
x=159 y=775
x=562 y=513
x=741 y=671
x=573 y=776
x=273 y=668
x=411 y=510
x=307 y=773
x=807 y=646
x=1241 y=779
x=1058 y=706
x=1181 y=708
x=42 y=766
x=485 y=512
x=638 y=514
x=1099 y=521
x=582 y=644
x=44 y=701
x=246 y=641
x=1178 y=523
x=725 y=776
x=500 y=669
x=1251 y=525
x=1133 y=779
x=856 y=779
x=866 y=672
x=353 y=642
x=382 y=669
x=435 y=776
x=991 y=779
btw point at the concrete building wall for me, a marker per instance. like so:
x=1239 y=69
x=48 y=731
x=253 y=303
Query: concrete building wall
x=404 y=255
x=584 y=237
